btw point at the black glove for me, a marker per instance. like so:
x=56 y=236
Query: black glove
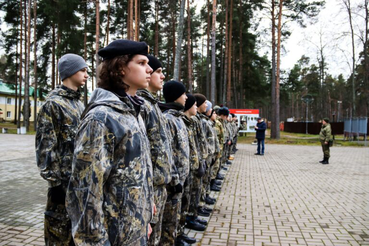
x=201 y=170
x=176 y=189
x=57 y=194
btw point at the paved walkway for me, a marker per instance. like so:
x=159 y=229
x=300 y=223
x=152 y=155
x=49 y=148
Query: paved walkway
x=282 y=198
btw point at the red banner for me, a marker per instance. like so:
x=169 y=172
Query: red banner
x=244 y=111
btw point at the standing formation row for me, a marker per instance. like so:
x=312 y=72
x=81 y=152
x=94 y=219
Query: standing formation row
x=129 y=169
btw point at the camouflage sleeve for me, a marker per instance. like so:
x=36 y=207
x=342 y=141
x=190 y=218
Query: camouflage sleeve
x=201 y=139
x=174 y=170
x=91 y=168
x=328 y=133
x=47 y=152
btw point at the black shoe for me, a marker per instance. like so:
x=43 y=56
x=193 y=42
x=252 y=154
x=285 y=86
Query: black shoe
x=209 y=201
x=219 y=176
x=262 y=154
x=207 y=209
x=257 y=154
x=214 y=187
x=194 y=225
x=228 y=162
x=202 y=212
x=322 y=160
x=325 y=161
x=224 y=168
x=217 y=182
x=181 y=242
x=201 y=221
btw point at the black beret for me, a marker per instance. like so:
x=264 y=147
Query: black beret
x=154 y=63
x=123 y=47
x=172 y=90
x=223 y=111
x=189 y=102
x=200 y=99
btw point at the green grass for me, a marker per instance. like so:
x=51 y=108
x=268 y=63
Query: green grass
x=12 y=128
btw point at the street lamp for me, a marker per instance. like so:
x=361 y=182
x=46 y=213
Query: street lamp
x=307 y=99
x=338 y=110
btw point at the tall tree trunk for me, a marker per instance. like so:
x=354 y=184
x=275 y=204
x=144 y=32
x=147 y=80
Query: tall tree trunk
x=208 y=50
x=240 y=63
x=16 y=84
x=156 y=46
x=273 y=132
x=189 y=50
x=20 y=64
x=226 y=50
x=85 y=89
x=130 y=20
x=213 y=53
x=229 y=80
x=221 y=79
x=26 y=105
x=108 y=24
x=35 y=63
x=366 y=62
x=97 y=40
x=53 y=82
x=277 y=81
x=136 y=21
x=176 y=70
x=348 y=7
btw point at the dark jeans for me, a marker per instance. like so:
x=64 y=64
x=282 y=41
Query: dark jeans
x=260 y=141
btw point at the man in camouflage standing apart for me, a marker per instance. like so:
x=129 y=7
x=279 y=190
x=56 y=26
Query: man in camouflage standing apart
x=160 y=149
x=57 y=123
x=325 y=138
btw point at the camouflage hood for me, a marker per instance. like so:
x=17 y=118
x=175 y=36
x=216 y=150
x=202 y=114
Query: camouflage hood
x=63 y=91
x=102 y=97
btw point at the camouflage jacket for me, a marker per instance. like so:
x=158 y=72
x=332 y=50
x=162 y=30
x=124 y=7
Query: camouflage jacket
x=160 y=149
x=216 y=140
x=200 y=138
x=110 y=194
x=57 y=123
x=234 y=129
x=220 y=133
x=179 y=143
x=194 y=156
x=325 y=133
x=207 y=125
x=226 y=130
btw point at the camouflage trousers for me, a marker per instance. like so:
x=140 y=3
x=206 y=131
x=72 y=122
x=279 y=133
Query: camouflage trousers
x=195 y=194
x=160 y=197
x=57 y=225
x=206 y=179
x=234 y=144
x=186 y=201
x=170 y=223
x=224 y=157
x=325 y=148
x=215 y=169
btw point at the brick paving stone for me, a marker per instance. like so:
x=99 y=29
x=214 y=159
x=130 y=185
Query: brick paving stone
x=282 y=198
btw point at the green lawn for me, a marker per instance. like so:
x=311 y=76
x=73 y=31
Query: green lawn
x=12 y=128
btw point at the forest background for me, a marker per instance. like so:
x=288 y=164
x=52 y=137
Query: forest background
x=212 y=46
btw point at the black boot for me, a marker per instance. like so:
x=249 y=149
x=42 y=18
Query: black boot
x=181 y=241
x=322 y=160
x=201 y=221
x=202 y=212
x=194 y=225
x=209 y=201
x=325 y=161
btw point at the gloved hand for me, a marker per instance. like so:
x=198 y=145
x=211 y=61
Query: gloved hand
x=57 y=194
x=176 y=189
x=201 y=170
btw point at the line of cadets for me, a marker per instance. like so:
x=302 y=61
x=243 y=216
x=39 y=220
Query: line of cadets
x=129 y=170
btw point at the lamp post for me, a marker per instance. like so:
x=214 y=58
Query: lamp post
x=307 y=99
x=338 y=110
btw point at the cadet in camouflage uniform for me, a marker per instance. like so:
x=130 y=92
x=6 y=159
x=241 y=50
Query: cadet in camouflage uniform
x=234 y=124
x=175 y=97
x=325 y=136
x=223 y=114
x=110 y=194
x=57 y=123
x=220 y=139
x=160 y=149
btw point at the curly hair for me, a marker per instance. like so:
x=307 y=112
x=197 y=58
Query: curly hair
x=110 y=73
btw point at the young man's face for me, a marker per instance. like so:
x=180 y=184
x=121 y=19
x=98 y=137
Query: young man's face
x=202 y=107
x=156 y=81
x=79 y=78
x=182 y=99
x=192 y=111
x=137 y=73
x=213 y=116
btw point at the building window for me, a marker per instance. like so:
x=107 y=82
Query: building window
x=9 y=100
x=8 y=114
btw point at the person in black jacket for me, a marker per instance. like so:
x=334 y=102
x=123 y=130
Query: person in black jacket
x=260 y=135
